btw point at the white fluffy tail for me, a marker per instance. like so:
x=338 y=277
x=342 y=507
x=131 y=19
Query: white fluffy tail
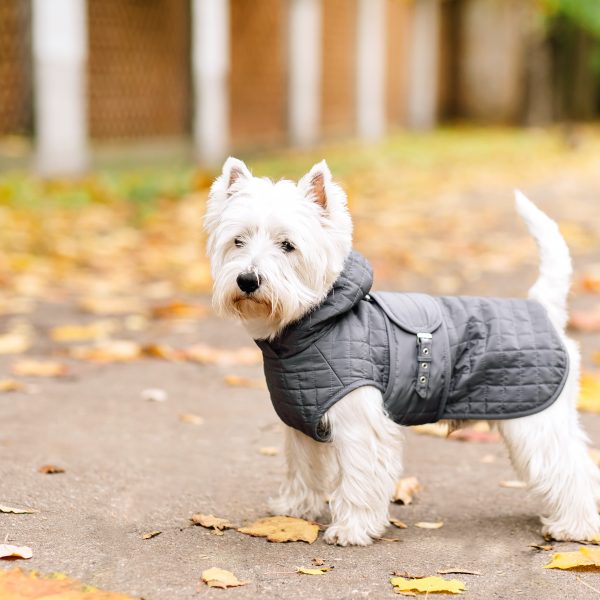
x=552 y=286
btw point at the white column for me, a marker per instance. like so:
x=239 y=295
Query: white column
x=423 y=65
x=304 y=52
x=210 y=64
x=59 y=55
x=370 y=69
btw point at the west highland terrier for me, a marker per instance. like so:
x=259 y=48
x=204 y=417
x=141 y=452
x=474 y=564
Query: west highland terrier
x=346 y=368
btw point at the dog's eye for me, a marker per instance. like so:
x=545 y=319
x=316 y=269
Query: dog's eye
x=239 y=242
x=287 y=246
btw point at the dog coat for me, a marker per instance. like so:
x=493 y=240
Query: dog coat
x=432 y=358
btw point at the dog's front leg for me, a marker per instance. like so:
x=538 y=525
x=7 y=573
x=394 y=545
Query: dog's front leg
x=303 y=492
x=368 y=449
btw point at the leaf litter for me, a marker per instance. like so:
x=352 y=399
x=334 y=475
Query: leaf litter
x=283 y=529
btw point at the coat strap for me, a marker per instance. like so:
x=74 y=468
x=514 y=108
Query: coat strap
x=424 y=358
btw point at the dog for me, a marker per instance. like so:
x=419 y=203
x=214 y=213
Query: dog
x=282 y=263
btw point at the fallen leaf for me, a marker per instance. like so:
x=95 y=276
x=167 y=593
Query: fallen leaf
x=589 y=392
x=17 y=584
x=435 y=429
x=319 y=562
x=39 y=368
x=179 y=309
x=191 y=419
x=220 y=578
x=14 y=343
x=268 y=451
x=405 y=489
x=428 y=585
x=17 y=511
x=389 y=539
x=479 y=432
x=111 y=305
x=584 y=558
x=160 y=351
x=154 y=395
x=591 y=283
x=585 y=320
x=237 y=381
x=12 y=385
x=50 y=469
x=8 y=551
x=108 y=351
x=210 y=521
x=458 y=571
x=90 y=331
x=152 y=534
x=283 y=529
x=306 y=571
x=204 y=354
x=399 y=524
x=513 y=483
x=544 y=547
x=429 y=525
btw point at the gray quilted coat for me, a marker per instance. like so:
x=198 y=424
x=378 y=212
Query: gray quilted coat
x=431 y=357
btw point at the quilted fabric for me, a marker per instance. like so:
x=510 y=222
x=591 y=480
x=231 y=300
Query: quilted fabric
x=431 y=357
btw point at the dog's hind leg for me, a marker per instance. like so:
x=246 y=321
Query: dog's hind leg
x=302 y=494
x=549 y=450
x=368 y=450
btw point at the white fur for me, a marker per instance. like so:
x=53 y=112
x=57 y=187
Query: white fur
x=364 y=459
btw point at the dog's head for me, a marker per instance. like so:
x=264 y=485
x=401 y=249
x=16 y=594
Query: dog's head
x=275 y=248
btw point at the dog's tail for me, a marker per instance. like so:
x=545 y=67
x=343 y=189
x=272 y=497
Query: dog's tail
x=552 y=286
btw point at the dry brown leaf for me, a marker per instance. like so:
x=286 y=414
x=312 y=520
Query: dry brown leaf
x=160 y=351
x=89 y=331
x=585 y=559
x=150 y=535
x=405 y=489
x=307 y=571
x=457 y=571
x=428 y=585
x=237 y=381
x=50 y=469
x=591 y=283
x=435 y=429
x=108 y=351
x=268 y=451
x=399 y=524
x=17 y=511
x=9 y=551
x=14 y=343
x=319 y=562
x=191 y=419
x=209 y=355
x=210 y=521
x=283 y=529
x=31 y=367
x=389 y=539
x=220 y=578
x=513 y=483
x=102 y=305
x=585 y=320
x=429 y=525
x=544 y=547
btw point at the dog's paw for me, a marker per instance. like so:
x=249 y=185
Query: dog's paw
x=309 y=508
x=576 y=533
x=345 y=536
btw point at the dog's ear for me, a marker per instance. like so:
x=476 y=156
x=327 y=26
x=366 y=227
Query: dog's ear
x=315 y=183
x=234 y=170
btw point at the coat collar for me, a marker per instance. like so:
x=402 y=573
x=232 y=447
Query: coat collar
x=353 y=284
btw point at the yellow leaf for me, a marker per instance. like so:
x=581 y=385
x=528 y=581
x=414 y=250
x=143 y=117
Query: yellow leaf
x=191 y=419
x=75 y=333
x=220 y=578
x=513 y=483
x=428 y=585
x=8 y=551
x=39 y=368
x=111 y=306
x=14 y=343
x=178 y=309
x=585 y=558
x=210 y=521
x=435 y=429
x=429 y=525
x=405 y=489
x=399 y=524
x=11 y=385
x=268 y=451
x=306 y=571
x=237 y=381
x=17 y=511
x=108 y=351
x=283 y=529
x=589 y=392
x=150 y=535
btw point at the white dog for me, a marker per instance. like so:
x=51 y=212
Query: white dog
x=276 y=251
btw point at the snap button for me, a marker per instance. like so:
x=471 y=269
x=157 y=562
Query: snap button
x=423 y=365
x=425 y=350
x=422 y=379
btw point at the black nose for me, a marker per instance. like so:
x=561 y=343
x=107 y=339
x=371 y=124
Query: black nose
x=248 y=282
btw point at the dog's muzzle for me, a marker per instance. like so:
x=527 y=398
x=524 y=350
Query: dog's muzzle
x=248 y=282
